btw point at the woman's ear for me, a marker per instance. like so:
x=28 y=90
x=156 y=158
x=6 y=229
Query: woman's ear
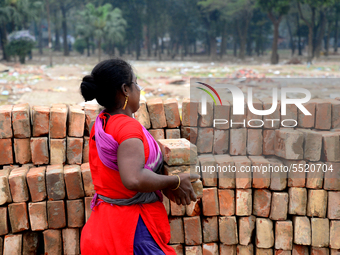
x=125 y=89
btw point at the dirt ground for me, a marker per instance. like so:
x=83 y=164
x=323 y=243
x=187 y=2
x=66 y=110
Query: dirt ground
x=37 y=84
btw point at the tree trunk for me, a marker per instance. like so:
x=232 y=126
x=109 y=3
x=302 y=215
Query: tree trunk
x=242 y=28
x=137 y=48
x=64 y=25
x=40 y=42
x=88 y=46
x=276 y=22
x=148 y=41
x=327 y=38
x=99 y=49
x=310 y=44
x=321 y=34
x=57 y=33
x=336 y=29
x=299 y=34
x=213 y=55
x=292 y=44
x=3 y=35
x=224 y=39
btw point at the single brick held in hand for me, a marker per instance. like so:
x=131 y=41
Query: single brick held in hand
x=36 y=183
x=21 y=122
x=197 y=186
x=55 y=183
x=156 y=112
x=73 y=182
x=142 y=115
x=38 y=216
x=40 y=120
x=39 y=150
x=6 y=121
x=18 y=217
x=193 y=209
x=58 y=118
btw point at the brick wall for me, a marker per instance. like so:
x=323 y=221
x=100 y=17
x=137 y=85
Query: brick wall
x=46 y=187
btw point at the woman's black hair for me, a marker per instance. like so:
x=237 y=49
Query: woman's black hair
x=105 y=81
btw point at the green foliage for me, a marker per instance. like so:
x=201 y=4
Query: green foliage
x=80 y=45
x=278 y=7
x=20 y=48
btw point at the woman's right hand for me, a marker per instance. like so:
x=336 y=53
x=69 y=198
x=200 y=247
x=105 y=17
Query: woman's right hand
x=185 y=193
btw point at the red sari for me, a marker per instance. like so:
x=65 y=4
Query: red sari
x=111 y=228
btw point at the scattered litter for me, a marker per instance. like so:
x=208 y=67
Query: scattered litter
x=5 y=93
x=59 y=89
x=276 y=72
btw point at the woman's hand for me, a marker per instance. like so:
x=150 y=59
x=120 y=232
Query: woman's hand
x=185 y=193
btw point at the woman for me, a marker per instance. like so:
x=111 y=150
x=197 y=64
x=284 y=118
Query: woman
x=128 y=216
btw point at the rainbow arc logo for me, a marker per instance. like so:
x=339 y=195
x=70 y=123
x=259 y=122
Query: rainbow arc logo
x=209 y=93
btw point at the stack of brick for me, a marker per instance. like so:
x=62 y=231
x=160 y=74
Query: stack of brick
x=46 y=186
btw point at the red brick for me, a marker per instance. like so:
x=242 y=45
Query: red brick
x=38 y=216
x=323 y=114
x=222 y=112
x=192 y=230
x=334 y=234
x=193 y=209
x=243 y=202
x=40 y=120
x=297 y=201
x=302 y=230
x=53 y=242
x=300 y=250
x=284 y=235
x=317 y=203
x=176 y=230
x=226 y=199
x=74 y=150
x=210 y=249
x=206 y=120
x=288 y=144
x=56 y=214
x=209 y=176
x=177 y=152
x=175 y=170
x=189 y=133
x=22 y=150
x=210 y=202
x=174 y=133
x=335 y=113
x=58 y=151
x=260 y=251
x=178 y=248
x=6 y=154
x=307 y=121
x=315 y=175
x=197 y=186
x=177 y=210
x=210 y=229
x=253 y=119
x=282 y=252
x=262 y=201
x=36 y=183
x=76 y=121
x=291 y=113
x=142 y=115
x=21 y=121
x=39 y=150
x=297 y=174
x=88 y=210
x=278 y=178
x=330 y=146
x=226 y=177
x=5 y=193
x=157 y=133
x=268 y=142
x=18 y=217
x=228 y=230
x=71 y=240
x=221 y=141
x=264 y=233
x=156 y=112
x=319 y=251
x=172 y=113
x=58 y=117
x=320 y=232
x=333 y=211
x=73 y=182
x=12 y=244
x=254 y=142
x=271 y=121
x=75 y=213
x=91 y=112
x=335 y=252
x=55 y=183
x=243 y=178
x=30 y=242
x=279 y=206
x=87 y=179
x=238 y=142
x=312 y=144
x=3 y=221
x=193 y=250
x=261 y=176
x=205 y=140
x=238 y=121
x=245 y=249
x=86 y=149
x=189 y=112
x=246 y=226
x=332 y=178
x=227 y=249
x=6 y=121
x=18 y=184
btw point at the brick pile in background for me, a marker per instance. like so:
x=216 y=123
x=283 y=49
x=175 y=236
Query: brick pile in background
x=44 y=203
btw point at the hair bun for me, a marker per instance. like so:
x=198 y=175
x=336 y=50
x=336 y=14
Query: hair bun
x=88 y=88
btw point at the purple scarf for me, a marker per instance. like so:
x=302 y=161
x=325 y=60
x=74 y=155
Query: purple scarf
x=107 y=148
